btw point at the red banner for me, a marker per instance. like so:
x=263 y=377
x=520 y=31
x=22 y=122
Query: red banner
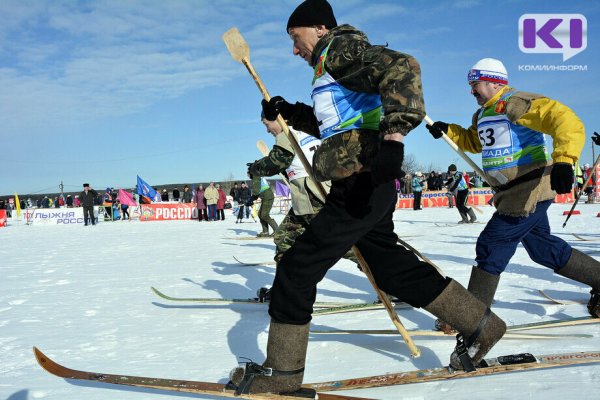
x=168 y=212
x=477 y=197
x=2 y=218
x=439 y=198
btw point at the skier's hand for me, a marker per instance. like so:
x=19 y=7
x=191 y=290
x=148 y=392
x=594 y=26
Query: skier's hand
x=249 y=172
x=387 y=164
x=438 y=129
x=277 y=105
x=562 y=177
x=596 y=138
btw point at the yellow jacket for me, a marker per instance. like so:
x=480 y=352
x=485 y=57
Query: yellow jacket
x=535 y=112
x=540 y=114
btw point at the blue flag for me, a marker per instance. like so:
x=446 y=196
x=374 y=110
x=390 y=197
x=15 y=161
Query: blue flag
x=146 y=192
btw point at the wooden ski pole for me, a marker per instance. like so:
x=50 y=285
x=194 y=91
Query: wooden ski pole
x=585 y=185
x=240 y=52
x=461 y=154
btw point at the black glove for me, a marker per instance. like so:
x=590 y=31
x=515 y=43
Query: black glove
x=437 y=129
x=277 y=105
x=596 y=138
x=250 y=201
x=562 y=177
x=387 y=164
x=249 y=165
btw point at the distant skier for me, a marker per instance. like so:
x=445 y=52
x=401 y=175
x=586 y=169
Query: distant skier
x=459 y=188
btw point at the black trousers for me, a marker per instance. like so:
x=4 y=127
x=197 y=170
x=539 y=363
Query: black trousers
x=461 y=201
x=88 y=212
x=416 y=200
x=356 y=212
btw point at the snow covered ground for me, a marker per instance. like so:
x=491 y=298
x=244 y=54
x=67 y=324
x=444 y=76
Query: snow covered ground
x=82 y=295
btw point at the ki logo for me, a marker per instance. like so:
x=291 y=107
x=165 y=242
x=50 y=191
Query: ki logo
x=553 y=33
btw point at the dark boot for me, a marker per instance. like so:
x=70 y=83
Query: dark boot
x=464 y=220
x=273 y=225
x=265 y=230
x=286 y=354
x=585 y=269
x=483 y=286
x=479 y=327
x=472 y=216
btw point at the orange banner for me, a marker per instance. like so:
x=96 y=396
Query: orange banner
x=477 y=197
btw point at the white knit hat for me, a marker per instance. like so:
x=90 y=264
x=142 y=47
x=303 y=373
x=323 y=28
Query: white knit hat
x=489 y=70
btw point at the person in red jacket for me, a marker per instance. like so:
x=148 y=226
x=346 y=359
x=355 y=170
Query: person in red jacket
x=221 y=204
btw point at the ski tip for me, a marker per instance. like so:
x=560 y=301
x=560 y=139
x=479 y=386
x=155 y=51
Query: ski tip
x=40 y=357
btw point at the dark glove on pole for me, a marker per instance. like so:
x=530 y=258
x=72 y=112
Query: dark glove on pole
x=277 y=105
x=561 y=178
x=437 y=129
x=596 y=138
x=387 y=164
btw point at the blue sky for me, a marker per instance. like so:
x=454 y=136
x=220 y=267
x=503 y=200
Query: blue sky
x=102 y=91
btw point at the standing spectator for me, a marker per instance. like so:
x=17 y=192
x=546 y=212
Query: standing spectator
x=69 y=201
x=76 y=201
x=125 y=212
x=417 y=188
x=431 y=181
x=249 y=209
x=164 y=195
x=200 y=204
x=243 y=197
x=157 y=197
x=234 y=192
x=439 y=181
x=221 y=203
x=467 y=179
x=45 y=202
x=176 y=195
x=187 y=194
x=211 y=194
x=407 y=184
x=107 y=202
x=589 y=190
x=87 y=201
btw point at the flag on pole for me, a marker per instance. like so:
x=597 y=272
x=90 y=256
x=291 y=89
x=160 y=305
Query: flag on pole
x=146 y=192
x=126 y=198
x=17 y=205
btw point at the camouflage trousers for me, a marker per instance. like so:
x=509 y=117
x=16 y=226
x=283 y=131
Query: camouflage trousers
x=292 y=227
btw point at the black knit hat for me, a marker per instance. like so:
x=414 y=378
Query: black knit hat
x=312 y=12
x=86 y=184
x=452 y=167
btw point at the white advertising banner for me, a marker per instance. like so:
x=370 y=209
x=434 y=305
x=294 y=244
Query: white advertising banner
x=57 y=216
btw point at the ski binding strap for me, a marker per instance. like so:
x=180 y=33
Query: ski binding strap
x=463 y=354
x=253 y=369
x=462 y=348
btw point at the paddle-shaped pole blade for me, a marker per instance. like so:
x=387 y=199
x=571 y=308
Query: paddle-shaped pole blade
x=236 y=45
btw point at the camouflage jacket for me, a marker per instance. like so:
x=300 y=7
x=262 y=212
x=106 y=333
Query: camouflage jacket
x=359 y=66
x=276 y=162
